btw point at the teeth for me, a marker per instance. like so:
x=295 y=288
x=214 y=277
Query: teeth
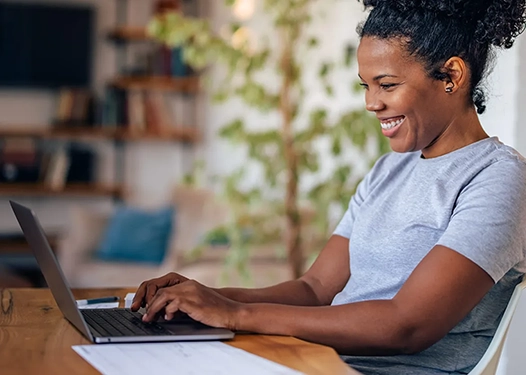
x=391 y=124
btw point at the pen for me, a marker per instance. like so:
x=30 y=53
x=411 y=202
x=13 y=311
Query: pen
x=83 y=302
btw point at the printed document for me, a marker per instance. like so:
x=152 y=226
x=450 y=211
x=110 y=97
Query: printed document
x=185 y=358
x=104 y=305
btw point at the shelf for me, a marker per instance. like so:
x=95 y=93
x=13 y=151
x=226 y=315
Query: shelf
x=162 y=83
x=182 y=134
x=72 y=190
x=18 y=245
x=189 y=135
x=130 y=34
x=49 y=132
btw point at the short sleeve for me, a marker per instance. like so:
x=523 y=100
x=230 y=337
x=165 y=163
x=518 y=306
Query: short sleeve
x=488 y=223
x=383 y=164
x=345 y=225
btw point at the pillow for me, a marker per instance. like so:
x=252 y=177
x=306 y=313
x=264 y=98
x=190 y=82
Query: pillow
x=135 y=235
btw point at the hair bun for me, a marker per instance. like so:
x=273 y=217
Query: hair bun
x=496 y=22
x=448 y=8
x=503 y=21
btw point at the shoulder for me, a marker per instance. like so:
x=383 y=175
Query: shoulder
x=496 y=180
x=501 y=164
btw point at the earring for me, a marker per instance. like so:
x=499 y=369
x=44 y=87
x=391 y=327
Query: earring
x=449 y=89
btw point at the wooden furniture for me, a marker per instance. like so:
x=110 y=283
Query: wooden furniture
x=95 y=133
x=11 y=280
x=181 y=131
x=36 y=339
x=88 y=190
x=188 y=85
x=18 y=245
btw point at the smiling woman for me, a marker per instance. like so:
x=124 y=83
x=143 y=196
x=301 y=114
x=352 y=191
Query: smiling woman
x=427 y=74
x=418 y=272
x=415 y=109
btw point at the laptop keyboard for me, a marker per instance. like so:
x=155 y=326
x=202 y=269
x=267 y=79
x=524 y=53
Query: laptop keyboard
x=121 y=322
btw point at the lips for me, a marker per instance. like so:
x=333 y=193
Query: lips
x=391 y=122
x=391 y=125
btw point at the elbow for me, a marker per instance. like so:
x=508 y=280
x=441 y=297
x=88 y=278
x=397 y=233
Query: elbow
x=412 y=339
x=413 y=332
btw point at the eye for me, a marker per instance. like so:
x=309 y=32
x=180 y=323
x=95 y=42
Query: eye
x=365 y=86
x=387 y=86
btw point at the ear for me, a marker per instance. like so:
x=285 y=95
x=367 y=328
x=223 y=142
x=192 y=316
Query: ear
x=458 y=77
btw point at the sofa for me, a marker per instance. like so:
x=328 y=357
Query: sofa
x=197 y=211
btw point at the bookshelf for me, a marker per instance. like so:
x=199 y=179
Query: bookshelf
x=129 y=34
x=188 y=85
x=116 y=133
x=87 y=190
x=84 y=134
x=17 y=245
x=157 y=124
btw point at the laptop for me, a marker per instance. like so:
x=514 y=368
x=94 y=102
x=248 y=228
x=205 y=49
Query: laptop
x=105 y=325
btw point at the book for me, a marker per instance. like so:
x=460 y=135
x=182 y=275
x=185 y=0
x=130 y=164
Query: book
x=57 y=170
x=136 y=112
x=73 y=107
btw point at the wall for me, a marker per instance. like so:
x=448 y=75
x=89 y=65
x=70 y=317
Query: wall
x=504 y=88
x=520 y=107
x=513 y=357
x=151 y=168
x=342 y=16
x=502 y=92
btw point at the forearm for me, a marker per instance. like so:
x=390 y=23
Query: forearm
x=294 y=292
x=317 y=287
x=364 y=328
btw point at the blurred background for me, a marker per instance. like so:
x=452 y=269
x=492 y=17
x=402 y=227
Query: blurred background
x=218 y=139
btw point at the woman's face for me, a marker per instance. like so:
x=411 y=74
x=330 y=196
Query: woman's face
x=411 y=106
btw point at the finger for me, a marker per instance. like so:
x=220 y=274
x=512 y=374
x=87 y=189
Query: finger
x=142 y=296
x=171 y=309
x=154 y=285
x=158 y=303
x=175 y=279
x=138 y=299
x=151 y=291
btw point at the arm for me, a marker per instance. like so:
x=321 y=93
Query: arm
x=326 y=277
x=439 y=293
x=317 y=287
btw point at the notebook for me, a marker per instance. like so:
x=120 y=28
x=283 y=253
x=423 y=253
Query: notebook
x=105 y=325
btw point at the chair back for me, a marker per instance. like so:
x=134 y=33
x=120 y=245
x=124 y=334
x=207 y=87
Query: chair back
x=490 y=360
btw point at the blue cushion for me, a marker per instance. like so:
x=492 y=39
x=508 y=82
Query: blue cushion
x=136 y=235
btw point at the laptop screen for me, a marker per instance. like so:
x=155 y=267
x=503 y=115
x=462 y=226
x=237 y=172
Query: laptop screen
x=50 y=267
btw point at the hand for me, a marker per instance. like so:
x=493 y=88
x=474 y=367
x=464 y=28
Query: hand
x=198 y=301
x=148 y=288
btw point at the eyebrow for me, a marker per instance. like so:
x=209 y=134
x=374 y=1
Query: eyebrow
x=379 y=77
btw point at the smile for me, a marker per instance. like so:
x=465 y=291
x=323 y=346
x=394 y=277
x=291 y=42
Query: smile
x=389 y=124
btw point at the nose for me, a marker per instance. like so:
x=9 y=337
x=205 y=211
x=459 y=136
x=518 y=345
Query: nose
x=373 y=103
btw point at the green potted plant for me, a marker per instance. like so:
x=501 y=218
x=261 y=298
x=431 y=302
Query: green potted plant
x=287 y=153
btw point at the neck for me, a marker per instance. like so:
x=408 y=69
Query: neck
x=461 y=131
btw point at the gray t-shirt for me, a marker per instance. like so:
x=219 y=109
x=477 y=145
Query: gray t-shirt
x=472 y=200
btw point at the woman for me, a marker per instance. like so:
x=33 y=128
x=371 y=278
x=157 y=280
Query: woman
x=422 y=265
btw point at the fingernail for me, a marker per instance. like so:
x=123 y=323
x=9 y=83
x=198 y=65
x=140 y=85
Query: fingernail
x=146 y=305
x=144 y=317
x=166 y=317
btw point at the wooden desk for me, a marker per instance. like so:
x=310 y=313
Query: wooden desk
x=36 y=339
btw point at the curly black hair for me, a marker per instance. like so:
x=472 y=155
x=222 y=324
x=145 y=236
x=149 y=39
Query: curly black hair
x=435 y=30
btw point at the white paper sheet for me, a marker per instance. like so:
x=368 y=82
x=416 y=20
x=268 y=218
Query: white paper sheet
x=182 y=358
x=106 y=305
x=128 y=300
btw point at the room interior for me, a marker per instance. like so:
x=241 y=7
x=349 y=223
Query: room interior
x=124 y=149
